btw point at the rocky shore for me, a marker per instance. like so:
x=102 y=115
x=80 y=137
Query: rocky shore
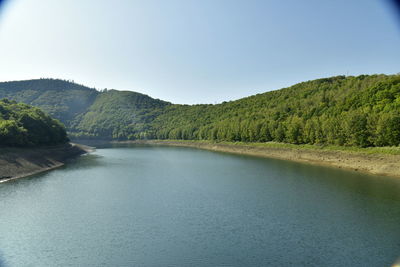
x=21 y=162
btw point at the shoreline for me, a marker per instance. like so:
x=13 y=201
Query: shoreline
x=370 y=163
x=16 y=163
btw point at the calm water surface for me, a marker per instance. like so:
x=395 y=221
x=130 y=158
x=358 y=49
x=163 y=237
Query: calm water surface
x=166 y=206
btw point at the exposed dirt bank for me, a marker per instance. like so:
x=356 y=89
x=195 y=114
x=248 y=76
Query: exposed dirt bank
x=20 y=162
x=381 y=164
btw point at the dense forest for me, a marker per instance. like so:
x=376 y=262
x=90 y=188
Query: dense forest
x=86 y=112
x=344 y=110
x=61 y=99
x=118 y=115
x=356 y=111
x=23 y=125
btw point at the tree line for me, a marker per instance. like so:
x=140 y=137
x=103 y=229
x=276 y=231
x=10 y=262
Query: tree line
x=348 y=111
x=343 y=110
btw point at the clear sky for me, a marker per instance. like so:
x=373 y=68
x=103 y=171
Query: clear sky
x=197 y=51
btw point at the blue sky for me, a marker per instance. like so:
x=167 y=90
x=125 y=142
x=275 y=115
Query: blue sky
x=197 y=51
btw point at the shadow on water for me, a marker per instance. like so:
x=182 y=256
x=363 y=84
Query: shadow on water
x=129 y=145
x=368 y=185
x=373 y=186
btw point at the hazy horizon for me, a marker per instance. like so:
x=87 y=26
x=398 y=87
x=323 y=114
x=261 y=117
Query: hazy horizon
x=190 y=52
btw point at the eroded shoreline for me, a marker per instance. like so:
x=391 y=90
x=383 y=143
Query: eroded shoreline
x=17 y=163
x=378 y=164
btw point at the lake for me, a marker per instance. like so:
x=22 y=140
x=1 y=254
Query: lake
x=131 y=205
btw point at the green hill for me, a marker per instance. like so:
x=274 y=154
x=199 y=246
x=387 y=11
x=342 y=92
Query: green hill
x=60 y=99
x=86 y=112
x=23 y=125
x=118 y=115
x=357 y=111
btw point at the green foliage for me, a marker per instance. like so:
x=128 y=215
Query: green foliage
x=23 y=125
x=353 y=111
x=88 y=113
x=360 y=111
x=60 y=99
x=118 y=115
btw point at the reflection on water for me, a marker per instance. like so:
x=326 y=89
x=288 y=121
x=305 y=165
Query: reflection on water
x=168 y=206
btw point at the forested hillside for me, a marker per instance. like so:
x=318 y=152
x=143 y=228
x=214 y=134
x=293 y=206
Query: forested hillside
x=356 y=111
x=86 y=112
x=61 y=99
x=117 y=115
x=23 y=125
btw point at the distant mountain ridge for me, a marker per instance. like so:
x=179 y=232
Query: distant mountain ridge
x=61 y=99
x=83 y=109
x=358 y=111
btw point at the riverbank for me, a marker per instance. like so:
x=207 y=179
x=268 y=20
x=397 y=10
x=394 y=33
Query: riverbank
x=21 y=162
x=380 y=161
